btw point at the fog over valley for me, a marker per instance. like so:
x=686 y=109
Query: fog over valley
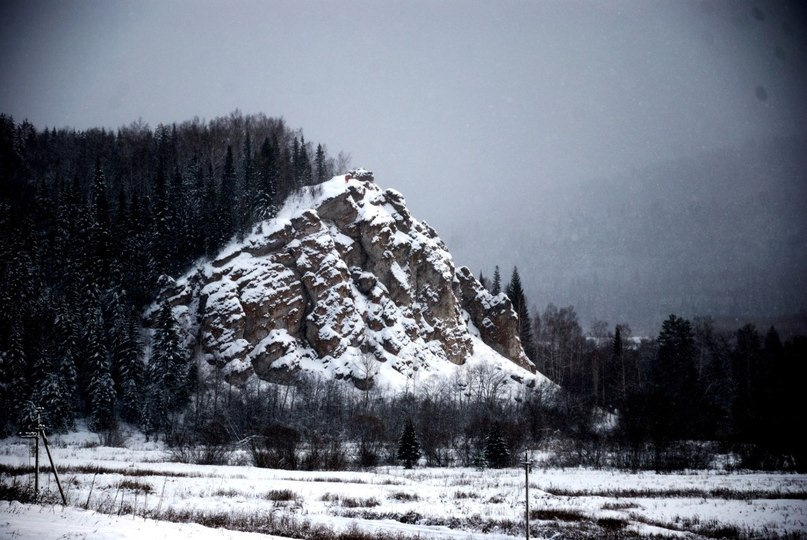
x=631 y=158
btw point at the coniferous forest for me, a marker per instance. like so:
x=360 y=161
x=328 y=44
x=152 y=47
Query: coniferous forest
x=92 y=222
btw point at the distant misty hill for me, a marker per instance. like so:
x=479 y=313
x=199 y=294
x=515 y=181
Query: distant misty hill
x=721 y=233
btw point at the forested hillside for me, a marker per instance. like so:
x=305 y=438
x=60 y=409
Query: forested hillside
x=91 y=220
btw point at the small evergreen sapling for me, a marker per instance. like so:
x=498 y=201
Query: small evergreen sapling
x=408 y=446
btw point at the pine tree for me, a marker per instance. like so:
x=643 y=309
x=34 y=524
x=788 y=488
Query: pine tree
x=303 y=165
x=617 y=375
x=162 y=241
x=100 y=387
x=267 y=189
x=296 y=163
x=178 y=215
x=714 y=366
x=16 y=386
x=496 y=287
x=746 y=359
x=674 y=380
x=52 y=396
x=247 y=192
x=485 y=282
x=516 y=294
x=66 y=336
x=100 y=233
x=497 y=455
x=167 y=373
x=321 y=167
x=192 y=229
x=286 y=176
x=408 y=445
x=266 y=203
x=227 y=199
x=209 y=209
x=64 y=247
x=126 y=351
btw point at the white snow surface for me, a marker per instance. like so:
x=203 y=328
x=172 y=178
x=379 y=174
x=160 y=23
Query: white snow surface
x=58 y=522
x=457 y=503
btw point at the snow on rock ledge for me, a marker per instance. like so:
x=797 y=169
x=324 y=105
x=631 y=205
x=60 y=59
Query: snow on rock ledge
x=344 y=281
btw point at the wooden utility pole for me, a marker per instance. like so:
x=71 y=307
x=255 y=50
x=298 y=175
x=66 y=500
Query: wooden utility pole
x=40 y=432
x=527 y=466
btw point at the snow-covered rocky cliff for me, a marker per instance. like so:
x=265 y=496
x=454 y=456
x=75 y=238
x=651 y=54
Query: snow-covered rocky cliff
x=344 y=281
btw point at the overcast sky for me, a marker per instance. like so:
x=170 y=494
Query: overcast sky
x=475 y=111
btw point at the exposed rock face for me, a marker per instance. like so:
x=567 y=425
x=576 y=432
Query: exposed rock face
x=347 y=283
x=360 y=174
x=494 y=318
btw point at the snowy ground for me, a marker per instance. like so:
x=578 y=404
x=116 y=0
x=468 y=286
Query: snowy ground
x=115 y=493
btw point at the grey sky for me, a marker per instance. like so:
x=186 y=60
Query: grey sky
x=475 y=111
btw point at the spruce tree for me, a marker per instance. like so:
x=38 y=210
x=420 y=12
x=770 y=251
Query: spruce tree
x=246 y=196
x=321 y=166
x=100 y=234
x=485 y=282
x=210 y=226
x=66 y=336
x=408 y=445
x=286 y=176
x=302 y=165
x=746 y=358
x=15 y=384
x=126 y=351
x=674 y=381
x=52 y=396
x=167 y=373
x=49 y=389
x=178 y=218
x=64 y=246
x=267 y=189
x=296 y=163
x=227 y=199
x=516 y=294
x=496 y=287
x=100 y=387
x=616 y=375
x=497 y=455
x=162 y=241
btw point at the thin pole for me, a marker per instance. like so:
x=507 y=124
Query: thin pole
x=36 y=468
x=53 y=466
x=527 y=464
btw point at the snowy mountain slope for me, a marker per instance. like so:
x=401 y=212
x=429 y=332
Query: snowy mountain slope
x=344 y=281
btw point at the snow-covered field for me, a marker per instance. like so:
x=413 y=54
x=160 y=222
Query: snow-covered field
x=137 y=492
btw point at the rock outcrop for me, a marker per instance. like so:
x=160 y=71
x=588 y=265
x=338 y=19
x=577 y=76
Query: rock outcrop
x=494 y=318
x=344 y=281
